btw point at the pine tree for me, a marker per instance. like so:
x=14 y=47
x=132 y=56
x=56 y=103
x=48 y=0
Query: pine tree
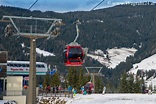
x=46 y=81
x=99 y=84
x=81 y=79
x=142 y=85
x=137 y=85
x=108 y=86
x=123 y=83
x=130 y=84
x=55 y=80
x=72 y=77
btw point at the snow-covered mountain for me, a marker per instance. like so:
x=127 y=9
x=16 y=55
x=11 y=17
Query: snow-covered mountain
x=145 y=65
x=44 y=53
x=113 y=57
x=38 y=51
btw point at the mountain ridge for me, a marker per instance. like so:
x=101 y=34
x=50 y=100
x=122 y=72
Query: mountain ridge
x=119 y=26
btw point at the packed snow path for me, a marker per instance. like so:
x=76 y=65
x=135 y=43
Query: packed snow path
x=113 y=99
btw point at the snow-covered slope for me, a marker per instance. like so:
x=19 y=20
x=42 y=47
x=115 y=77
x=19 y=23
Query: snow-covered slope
x=44 y=53
x=145 y=65
x=113 y=57
x=113 y=99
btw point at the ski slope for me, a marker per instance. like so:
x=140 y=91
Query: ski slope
x=113 y=99
x=115 y=55
x=108 y=99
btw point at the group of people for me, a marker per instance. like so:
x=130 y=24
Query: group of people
x=84 y=89
x=88 y=90
x=70 y=89
x=49 y=89
x=54 y=89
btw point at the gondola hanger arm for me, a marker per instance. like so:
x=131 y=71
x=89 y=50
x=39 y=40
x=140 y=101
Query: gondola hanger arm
x=77 y=29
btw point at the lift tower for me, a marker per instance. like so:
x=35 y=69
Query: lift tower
x=33 y=29
x=93 y=74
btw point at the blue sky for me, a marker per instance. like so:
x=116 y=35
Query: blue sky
x=65 y=5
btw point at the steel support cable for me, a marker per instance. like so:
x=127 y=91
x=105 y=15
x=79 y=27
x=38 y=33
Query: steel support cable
x=85 y=14
x=30 y=7
x=33 y=4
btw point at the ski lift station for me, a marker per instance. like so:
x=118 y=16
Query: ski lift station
x=14 y=76
x=21 y=69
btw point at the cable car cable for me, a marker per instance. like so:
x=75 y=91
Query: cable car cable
x=98 y=4
x=85 y=14
x=30 y=7
x=33 y=4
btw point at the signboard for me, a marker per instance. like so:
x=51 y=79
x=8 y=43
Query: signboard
x=26 y=78
x=22 y=68
x=53 y=72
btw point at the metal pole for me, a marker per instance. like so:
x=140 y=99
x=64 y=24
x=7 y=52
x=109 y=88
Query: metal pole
x=32 y=73
x=93 y=82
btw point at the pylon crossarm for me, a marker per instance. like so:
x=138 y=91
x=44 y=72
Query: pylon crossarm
x=100 y=68
x=34 y=35
x=31 y=29
x=35 y=18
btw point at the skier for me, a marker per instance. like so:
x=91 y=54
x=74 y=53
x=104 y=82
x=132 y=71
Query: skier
x=74 y=91
x=149 y=92
x=82 y=89
x=104 y=90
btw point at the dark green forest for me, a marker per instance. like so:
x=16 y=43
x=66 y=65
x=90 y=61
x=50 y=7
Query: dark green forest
x=116 y=26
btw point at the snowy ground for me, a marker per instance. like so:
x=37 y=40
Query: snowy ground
x=113 y=99
x=7 y=102
x=110 y=99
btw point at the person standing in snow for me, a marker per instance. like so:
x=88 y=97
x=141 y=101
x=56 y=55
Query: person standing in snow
x=82 y=89
x=149 y=92
x=104 y=90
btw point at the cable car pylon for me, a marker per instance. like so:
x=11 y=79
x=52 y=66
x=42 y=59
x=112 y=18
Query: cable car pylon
x=33 y=33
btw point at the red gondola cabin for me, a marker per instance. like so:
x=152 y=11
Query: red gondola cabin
x=73 y=56
x=89 y=87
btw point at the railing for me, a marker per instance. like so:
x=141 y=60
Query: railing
x=61 y=93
